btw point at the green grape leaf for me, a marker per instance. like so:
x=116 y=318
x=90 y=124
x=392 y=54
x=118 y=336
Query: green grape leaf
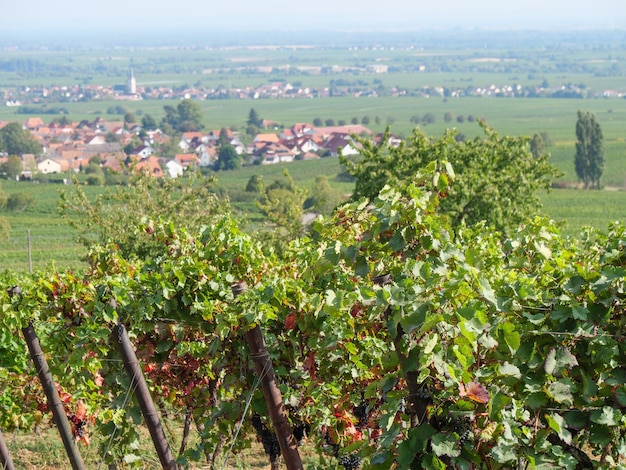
x=445 y=445
x=487 y=291
x=561 y=392
x=558 y=424
x=607 y=416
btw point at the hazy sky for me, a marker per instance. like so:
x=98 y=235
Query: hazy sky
x=317 y=14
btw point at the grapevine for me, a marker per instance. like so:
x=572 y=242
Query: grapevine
x=475 y=350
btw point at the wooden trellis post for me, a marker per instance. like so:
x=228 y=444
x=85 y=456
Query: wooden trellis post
x=264 y=369
x=142 y=394
x=5 y=456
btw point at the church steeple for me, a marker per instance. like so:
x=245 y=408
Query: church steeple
x=131 y=86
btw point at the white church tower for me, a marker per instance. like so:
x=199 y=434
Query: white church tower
x=131 y=86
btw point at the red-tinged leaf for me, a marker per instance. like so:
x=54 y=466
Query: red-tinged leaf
x=81 y=411
x=474 y=391
x=309 y=365
x=290 y=321
x=98 y=379
x=356 y=310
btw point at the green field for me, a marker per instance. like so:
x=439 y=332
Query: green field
x=53 y=241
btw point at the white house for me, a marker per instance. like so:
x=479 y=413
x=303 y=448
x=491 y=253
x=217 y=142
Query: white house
x=174 y=169
x=50 y=165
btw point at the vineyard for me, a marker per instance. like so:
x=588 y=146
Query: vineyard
x=383 y=338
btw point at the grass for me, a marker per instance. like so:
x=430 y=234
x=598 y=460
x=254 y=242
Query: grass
x=579 y=208
x=43 y=450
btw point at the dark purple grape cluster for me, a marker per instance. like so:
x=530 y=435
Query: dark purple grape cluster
x=423 y=393
x=362 y=413
x=300 y=430
x=462 y=429
x=268 y=438
x=350 y=462
x=464 y=437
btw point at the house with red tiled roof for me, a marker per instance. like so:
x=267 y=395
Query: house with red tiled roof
x=112 y=162
x=150 y=165
x=267 y=138
x=341 y=144
x=287 y=134
x=95 y=140
x=34 y=123
x=348 y=129
x=275 y=153
x=302 y=128
x=187 y=160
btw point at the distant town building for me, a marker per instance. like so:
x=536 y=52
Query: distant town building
x=131 y=86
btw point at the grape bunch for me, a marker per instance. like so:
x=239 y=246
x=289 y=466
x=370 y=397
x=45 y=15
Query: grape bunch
x=462 y=429
x=424 y=394
x=300 y=430
x=463 y=438
x=268 y=438
x=350 y=462
x=362 y=413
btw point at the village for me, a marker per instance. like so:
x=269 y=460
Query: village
x=73 y=147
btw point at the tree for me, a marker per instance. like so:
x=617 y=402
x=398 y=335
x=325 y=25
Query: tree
x=190 y=115
x=365 y=120
x=12 y=168
x=228 y=158
x=283 y=204
x=254 y=119
x=185 y=117
x=317 y=122
x=429 y=118
x=148 y=122
x=110 y=137
x=448 y=116
x=537 y=146
x=170 y=148
x=255 y=184
x=15 y=140
x=330 y=122
x=322 y=198
x=119 y=215
x=547 y=139
x=589 y=159
x=63 y=120
x=129 y=118
x=497 y=180
x=223 y=138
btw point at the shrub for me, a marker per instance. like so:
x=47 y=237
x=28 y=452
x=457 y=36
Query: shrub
x=19 y=201
x=94 y=180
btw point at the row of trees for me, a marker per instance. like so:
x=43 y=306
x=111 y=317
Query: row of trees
x=589 y=159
